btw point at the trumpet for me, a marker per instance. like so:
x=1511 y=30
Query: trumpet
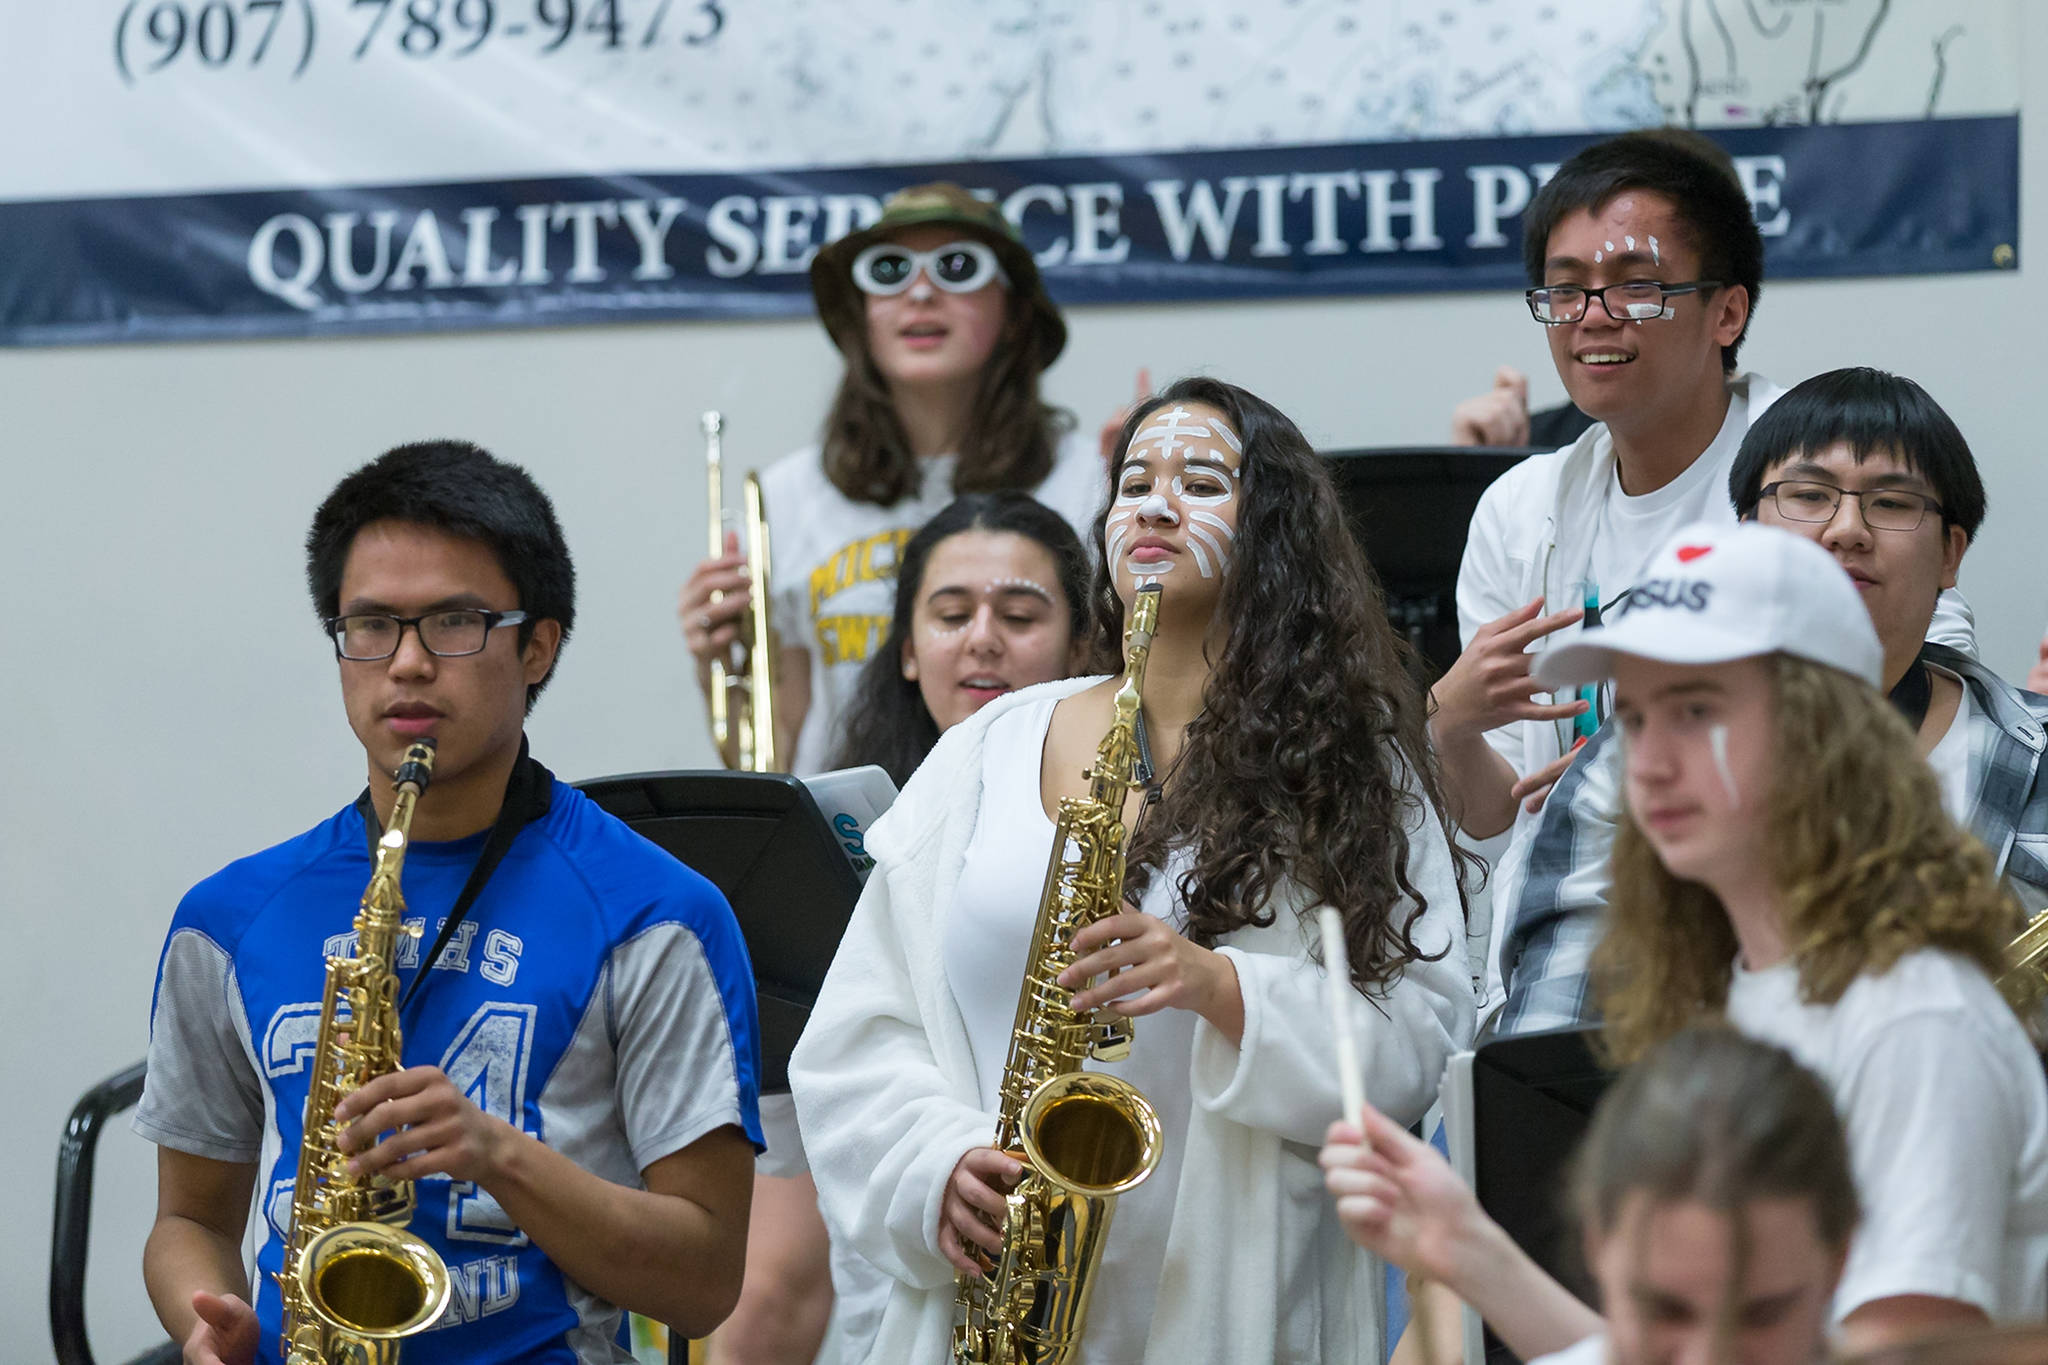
x=741 y=690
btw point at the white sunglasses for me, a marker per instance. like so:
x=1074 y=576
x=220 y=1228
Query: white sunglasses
x=957 y=267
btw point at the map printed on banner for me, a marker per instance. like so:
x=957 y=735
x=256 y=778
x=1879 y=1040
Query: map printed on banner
x=208 y=167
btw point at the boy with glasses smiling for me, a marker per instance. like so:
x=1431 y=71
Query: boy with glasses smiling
x=1646 y=265
x=1870 y=467
x=578 y=1103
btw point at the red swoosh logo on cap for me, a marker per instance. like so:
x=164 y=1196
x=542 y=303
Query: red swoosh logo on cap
x=1688 y=553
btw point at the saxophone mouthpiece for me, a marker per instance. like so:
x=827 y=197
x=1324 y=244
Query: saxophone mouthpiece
x=416 y=767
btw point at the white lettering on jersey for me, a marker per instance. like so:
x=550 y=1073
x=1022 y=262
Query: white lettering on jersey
x=290 y=1038
x=455 y=957
x=344 y=945
x=488 y=1063
x=479 y=1288
x=501 y=957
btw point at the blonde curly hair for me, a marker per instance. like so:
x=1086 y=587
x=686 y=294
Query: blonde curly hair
x=1867 y=865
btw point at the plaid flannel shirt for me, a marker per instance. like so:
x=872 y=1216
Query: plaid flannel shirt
x=1557 y=920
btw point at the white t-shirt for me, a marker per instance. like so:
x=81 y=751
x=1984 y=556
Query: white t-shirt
x=1950 y=756
x=1591 y=1351
x=1947 y=1117
x=833 y=566
x=1629 y=530
x=987 y=939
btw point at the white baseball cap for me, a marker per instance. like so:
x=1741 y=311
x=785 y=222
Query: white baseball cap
x=1716 y=593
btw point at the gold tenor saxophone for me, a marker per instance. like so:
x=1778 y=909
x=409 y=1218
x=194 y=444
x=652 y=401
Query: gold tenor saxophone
x=355 y=1283
x=1083 y=1138
x=742 y=693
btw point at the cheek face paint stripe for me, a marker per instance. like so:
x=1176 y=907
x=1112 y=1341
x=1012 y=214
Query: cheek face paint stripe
x=1717 y=740
x=1197 y=541
x=1119 y=532
x=1214 y=523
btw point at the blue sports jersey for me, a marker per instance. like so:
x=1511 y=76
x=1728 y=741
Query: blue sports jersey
x=598 y=996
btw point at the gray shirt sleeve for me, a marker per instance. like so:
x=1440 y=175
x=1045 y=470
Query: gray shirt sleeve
x=678 y=1073
x=202 y=1094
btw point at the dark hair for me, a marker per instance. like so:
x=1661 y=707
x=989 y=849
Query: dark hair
x=1309 y=760
x=1693 y=173
x=1008 y=444
x=462 y=489
x=1710 y=1115
x=1870 y=411
x=888 y=722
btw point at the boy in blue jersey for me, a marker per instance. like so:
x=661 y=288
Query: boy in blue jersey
x=578 y=1102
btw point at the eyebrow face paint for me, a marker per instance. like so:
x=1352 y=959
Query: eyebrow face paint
x=1177 y=454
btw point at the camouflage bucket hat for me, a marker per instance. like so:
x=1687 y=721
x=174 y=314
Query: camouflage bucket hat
x=843 y=309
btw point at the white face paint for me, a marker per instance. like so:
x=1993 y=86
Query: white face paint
x=1717 y=741
x=1179 y=472
x=1656 y=256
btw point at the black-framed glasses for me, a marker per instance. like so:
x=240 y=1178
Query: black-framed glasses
x=367 y=636
x=1884 y=509
x=1630 y=301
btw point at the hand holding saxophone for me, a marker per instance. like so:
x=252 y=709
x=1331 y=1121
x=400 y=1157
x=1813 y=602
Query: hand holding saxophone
x=432 y=1128
x=1146 y=965
x=974 y=1211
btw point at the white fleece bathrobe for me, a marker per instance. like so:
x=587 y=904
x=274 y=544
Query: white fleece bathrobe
x=1257 y=1267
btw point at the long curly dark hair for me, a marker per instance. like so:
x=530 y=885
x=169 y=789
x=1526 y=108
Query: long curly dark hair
x=1310 y=756
x=1009 y=441
x=887 y=720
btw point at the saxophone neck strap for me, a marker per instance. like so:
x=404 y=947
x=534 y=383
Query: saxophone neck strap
x=528 y=793
x=1145 y=768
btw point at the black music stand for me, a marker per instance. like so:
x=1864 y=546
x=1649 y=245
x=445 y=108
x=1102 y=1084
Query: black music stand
x=761 y=839
x=1526 y=1102
x=1410 y=507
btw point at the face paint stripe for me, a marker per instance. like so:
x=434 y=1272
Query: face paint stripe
x=1201 y=560
x=1717 y=740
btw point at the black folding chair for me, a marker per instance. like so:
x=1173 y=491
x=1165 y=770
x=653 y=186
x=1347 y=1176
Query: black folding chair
x=73 y=1223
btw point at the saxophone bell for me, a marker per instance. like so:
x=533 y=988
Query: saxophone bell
x=373 y=1281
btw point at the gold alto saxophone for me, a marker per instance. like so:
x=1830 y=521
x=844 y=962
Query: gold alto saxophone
x=742 y=692
x=355 y=1283
x=1083 y=1137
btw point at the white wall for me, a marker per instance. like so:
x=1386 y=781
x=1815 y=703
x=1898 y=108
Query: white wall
x=169 y=704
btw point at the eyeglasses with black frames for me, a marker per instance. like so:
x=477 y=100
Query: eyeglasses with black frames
x=367 y=636
x=1553 y=305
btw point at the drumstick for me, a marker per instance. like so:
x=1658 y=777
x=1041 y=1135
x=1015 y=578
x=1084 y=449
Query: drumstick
x=1337 y=989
